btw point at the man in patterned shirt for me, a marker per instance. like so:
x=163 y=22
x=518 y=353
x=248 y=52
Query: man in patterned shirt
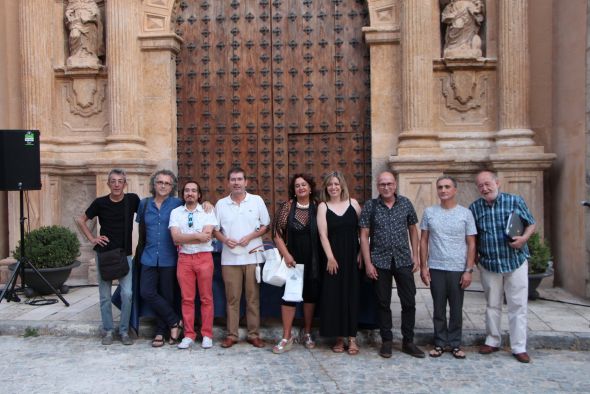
x=385 y=224
x=503 y=263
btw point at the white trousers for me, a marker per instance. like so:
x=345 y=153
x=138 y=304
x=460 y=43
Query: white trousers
x=516 y=287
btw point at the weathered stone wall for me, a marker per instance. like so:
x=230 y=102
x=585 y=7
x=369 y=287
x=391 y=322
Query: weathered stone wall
x=568 y=141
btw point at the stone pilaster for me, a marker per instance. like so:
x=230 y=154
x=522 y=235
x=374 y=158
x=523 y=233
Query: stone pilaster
x=36 y=31
x=513 y=77
x=123 y=56
x=417 y=136
x=383 y=39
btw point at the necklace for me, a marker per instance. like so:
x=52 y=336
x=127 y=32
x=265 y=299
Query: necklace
x=303 y=206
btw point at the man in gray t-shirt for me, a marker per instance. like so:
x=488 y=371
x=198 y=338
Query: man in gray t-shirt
x=447 y=257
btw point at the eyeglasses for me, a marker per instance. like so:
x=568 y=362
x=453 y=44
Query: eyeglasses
x=190 y=219
x=162 y=183
x=384 y=185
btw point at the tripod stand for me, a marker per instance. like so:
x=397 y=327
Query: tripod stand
x=10 y=289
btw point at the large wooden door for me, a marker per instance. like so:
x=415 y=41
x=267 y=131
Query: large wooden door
x=276 y=87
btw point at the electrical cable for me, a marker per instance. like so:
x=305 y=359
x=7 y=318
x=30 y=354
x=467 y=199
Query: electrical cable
x=41 y=301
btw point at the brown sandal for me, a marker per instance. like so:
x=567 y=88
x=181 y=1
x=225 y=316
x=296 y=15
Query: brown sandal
x=437 y=351
x=458 y=353
x=158 y=341
x=339 y=346
x=353 y=348
x=175 y=329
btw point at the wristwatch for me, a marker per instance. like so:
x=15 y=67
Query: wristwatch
x=470 y=270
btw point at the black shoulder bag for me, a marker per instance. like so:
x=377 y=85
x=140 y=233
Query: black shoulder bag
x=113 y=263
x=141 y=239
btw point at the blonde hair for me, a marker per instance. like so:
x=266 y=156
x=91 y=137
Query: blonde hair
x=343 y=186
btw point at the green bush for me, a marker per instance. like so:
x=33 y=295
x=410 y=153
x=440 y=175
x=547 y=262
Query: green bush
x=50 y=247
x=540 y=254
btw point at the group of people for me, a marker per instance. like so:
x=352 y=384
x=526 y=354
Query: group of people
x=337 y=241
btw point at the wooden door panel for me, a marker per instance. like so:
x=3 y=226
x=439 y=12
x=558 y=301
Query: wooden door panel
x=277 y=87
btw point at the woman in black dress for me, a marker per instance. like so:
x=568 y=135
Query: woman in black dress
x=295 y=234
x=338 y=227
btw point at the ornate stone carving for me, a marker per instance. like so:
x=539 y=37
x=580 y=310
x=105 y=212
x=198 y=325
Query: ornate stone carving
x=463 y=19
x=85 y=40
x=461 y=91
x=86 y=96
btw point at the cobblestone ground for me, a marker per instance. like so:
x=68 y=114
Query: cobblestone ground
x=80 y=365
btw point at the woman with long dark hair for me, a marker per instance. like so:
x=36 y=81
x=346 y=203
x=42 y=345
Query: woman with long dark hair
x=295 y=234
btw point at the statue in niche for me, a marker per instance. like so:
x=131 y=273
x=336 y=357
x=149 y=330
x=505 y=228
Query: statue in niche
x=85 y=40
x=463 y=19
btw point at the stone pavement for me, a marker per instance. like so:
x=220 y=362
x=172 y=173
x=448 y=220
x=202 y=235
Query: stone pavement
x=49 y=364
x=557 y=324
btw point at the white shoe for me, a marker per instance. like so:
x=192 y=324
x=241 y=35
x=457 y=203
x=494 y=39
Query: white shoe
x=207 y=343
x=185 y=343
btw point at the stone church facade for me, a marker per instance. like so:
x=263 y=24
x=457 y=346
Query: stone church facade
x=423 y=87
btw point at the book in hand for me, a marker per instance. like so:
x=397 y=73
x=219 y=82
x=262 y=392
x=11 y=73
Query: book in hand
x=514 y=226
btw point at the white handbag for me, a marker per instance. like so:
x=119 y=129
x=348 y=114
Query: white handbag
x=294 y=284
x=275 y=270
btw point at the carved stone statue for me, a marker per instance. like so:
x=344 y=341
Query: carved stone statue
x=463 y=19
x=85 y=41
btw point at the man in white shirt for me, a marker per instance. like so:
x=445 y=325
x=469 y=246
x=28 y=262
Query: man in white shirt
x=192 y=228
x=243 y=220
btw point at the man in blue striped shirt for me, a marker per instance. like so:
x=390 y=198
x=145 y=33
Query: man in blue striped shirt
x=502 y=263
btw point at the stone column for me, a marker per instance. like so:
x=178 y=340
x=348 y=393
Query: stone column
x=36 y=31
x=122 y=54
x=417 y=136
x=513 y=76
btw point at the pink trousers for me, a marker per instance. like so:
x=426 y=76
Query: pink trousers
x=192 y=270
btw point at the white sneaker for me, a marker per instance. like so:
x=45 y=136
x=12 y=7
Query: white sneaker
x=185 y=343
x=207 y=343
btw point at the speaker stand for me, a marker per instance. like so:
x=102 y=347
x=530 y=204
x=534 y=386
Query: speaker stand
x=10 y=289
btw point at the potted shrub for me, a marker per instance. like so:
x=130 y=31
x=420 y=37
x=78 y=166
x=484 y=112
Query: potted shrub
x=540 y=264
x=53 y=251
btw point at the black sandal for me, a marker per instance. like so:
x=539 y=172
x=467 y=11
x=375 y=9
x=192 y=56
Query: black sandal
x=436 y=352
x=158 y=341
x=458 y=353
x=174 y=338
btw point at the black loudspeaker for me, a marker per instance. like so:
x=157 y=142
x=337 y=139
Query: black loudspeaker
x=20 y=161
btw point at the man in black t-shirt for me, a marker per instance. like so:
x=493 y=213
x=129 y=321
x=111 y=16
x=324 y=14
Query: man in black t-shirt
x=111 y=210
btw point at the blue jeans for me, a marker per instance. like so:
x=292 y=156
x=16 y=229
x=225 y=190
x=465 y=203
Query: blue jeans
x=106 y=309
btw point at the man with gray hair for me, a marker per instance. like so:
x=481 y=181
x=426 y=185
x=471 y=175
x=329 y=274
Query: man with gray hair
x=113 y=211
x=447 y=257
x=503 y=263
x=389 y=244
x=157 y=284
